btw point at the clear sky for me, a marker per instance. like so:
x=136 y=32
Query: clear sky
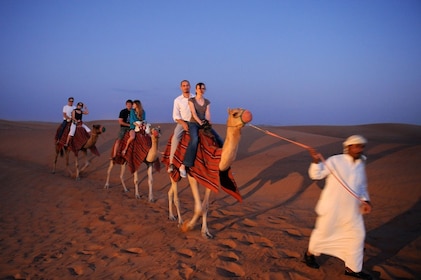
x=291 y=62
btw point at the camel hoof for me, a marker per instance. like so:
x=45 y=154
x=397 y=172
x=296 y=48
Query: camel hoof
x=137 y=196
x=107 y=186
x=152 y=200
x=77 y=178
x=185 y=227
x=126 y=190
x=207 y=235
x=172 y=218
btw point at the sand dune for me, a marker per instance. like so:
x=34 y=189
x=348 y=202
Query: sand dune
x=54 y=227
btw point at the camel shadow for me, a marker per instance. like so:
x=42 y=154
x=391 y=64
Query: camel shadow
x=295 y=164
x=390 y=237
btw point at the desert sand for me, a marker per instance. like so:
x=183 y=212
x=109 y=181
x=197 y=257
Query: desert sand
x=54 y=227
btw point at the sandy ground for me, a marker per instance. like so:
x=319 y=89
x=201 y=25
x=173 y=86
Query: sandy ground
x=54 y=227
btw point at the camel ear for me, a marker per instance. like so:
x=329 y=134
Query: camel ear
x=228 y=110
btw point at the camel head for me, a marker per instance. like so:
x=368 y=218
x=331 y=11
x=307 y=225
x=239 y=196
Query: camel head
x=155 y=132
x=98 y=129
x=238 y=117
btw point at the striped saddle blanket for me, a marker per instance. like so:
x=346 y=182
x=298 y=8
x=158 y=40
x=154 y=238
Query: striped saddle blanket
x=136 y=152
x=77 y=141
x=206 y=165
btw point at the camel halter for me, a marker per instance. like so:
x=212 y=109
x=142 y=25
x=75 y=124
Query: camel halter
x=243 y=123
x=319 y=155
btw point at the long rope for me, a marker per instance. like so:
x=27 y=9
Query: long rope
x=319 y=155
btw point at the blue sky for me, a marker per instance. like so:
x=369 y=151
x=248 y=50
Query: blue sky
x=289 y=62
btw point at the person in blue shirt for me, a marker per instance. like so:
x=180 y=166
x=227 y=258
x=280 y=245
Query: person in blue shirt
x=137 y=116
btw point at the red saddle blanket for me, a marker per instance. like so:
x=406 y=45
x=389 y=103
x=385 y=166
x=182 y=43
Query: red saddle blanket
x=136 y=152
x=206 y=165
x=77 y=141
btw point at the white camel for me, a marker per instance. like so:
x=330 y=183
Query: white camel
x=81 y=136
x=237 y=118
x=150 y=159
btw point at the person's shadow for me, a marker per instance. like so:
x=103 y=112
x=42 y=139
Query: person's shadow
x=394 y=235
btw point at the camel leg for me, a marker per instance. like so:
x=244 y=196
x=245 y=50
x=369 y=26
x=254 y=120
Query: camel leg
x=67 y=163
x=107 y=181
x=136 y=185
x=87 y=161
x=149 y=169
x=122 y=170
x=77 y=168
x=173 y=198
x=205 y=208
x=200 y=209
x=55 y=160
x=197 y=205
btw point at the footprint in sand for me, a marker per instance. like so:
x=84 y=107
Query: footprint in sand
x=291 y=254
x=230 y=269
x=228 y=243
x=76 y=270
x=186 y=253
x=264 y=242
x=250 y=223
x=293 y=232
x=228 y=256
x=133 y=250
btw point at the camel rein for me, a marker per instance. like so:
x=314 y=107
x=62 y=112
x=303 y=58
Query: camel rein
x=319 y=155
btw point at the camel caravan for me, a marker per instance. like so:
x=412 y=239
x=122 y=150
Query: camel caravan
x=211 y=166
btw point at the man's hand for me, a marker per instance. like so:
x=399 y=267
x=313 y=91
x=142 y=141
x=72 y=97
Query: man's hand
x=365 y=208
x=314 y=155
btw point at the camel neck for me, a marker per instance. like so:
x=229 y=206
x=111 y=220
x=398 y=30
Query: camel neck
x=229 y=150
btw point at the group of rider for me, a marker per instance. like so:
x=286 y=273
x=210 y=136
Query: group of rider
x=339 y=229
x=190 y=112
x=73 y=115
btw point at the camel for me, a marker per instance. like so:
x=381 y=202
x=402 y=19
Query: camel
x=210 y=176
x=81 y=142
x=150 y=159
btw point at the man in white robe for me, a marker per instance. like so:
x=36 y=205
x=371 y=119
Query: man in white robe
x=339 y=229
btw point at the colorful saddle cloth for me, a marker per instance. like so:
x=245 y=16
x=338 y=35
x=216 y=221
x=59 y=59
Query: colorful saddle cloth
x=206 y=165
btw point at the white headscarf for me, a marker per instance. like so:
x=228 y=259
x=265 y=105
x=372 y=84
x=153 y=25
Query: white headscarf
x=352 y=140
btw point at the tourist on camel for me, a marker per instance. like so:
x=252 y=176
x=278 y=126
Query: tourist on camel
x=67 y=116
x=77 y=114
x=200 y=117
x=181 y=115
x=137 y=117
x=124 y=121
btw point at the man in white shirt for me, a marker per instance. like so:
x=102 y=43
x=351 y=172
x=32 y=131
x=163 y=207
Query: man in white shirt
x=181 y=115
x=67 y=116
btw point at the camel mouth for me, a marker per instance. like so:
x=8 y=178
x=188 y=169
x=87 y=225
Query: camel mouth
x=246 y=116
x=156 y=133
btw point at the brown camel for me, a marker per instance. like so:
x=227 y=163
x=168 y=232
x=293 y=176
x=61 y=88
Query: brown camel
x=149 y=141
x=81 y=142
x=211 y=169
